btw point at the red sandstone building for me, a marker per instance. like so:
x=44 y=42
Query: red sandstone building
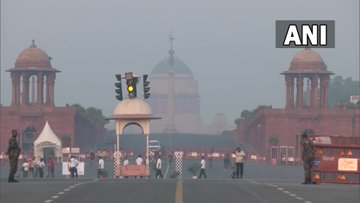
x=32 y=104
x=300 y=113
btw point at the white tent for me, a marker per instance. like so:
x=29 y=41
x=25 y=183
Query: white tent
x=47 y=139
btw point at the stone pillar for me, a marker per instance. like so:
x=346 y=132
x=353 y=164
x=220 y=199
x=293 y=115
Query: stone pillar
x=50 y=83
x=25 y=89
x=289 y=80
x=40 y=89
x=300 y=92
x=324 y=91
x=15 y=99
x=314 y=92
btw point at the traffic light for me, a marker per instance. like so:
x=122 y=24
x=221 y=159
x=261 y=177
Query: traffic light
x=131 y=84
x=146 y=86
x=118 y=89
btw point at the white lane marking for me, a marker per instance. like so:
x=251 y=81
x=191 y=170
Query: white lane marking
x=55 y=196
x=287 y=192
x=47 y=201
x=253 y=181
x=67 y=189
x=293 y=195
x=61 y=193
x=307 y=202
x=279 y=188
x=299 y=198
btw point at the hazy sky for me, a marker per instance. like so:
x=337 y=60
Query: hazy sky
x=229 y=45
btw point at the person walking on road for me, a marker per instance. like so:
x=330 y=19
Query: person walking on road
x=239 y=162
x=101 y=167
x=52 y=167
x=308 y=151
x=202 y=167
x=139 y=161
x=13 y=153
x=73 y=164
x=158 y=167
x=25 y=169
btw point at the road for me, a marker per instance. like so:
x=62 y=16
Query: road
x=262 y=183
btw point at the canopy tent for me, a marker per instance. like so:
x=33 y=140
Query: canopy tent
x=47 y=139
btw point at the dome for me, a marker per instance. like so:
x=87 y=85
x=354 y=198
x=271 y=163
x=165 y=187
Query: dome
x=163 y=67
x=134 y=106
x=307 y=60
x=33 y=57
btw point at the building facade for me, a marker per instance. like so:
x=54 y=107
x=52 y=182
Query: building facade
x=175 y=97
x=306 y=107
x=33 y=103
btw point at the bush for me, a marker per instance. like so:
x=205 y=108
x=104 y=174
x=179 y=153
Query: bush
x=194 y=168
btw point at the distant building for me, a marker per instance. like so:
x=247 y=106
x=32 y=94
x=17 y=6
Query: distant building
x=33 y=103
x=303 y=109
x=175 y=98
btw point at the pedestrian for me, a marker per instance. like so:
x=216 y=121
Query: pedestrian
x=52 y=167
x=13 y=153
x=31 y=167
x=92 y=158
x=41 y=168
x=101 y=167
x=308 y=150
x=139 y=161
x=239 y=162
x=25 y=169
x=73 y=167
x=158 y=167
x=126 y=163
x=36 y=162
x=202 y=167
x=226 y=160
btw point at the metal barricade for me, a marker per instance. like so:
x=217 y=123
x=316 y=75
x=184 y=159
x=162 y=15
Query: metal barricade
x=337 y=160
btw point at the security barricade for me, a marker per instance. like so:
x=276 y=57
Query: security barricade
x=133 y=170
x=337 y=160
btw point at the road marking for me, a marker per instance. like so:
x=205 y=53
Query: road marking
x=67 y=189
x=61 y=193
x=253 y=182
x=287 y=192
x=55 y=196
x=49 y=200
x=179 y=192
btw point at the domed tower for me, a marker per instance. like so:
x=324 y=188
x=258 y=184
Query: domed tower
x=174 y=96
x=307 y=64
x=33 y=64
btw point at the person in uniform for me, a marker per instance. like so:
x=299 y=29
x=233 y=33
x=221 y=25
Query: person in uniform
x=13 y=152
x=307 y=147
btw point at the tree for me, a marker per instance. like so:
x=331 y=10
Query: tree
x=341 y=89
x=92 y=114
x=247 y=115
x=65 y=140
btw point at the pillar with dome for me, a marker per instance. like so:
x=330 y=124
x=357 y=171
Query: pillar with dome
x=132 y=111
x=33 y=103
